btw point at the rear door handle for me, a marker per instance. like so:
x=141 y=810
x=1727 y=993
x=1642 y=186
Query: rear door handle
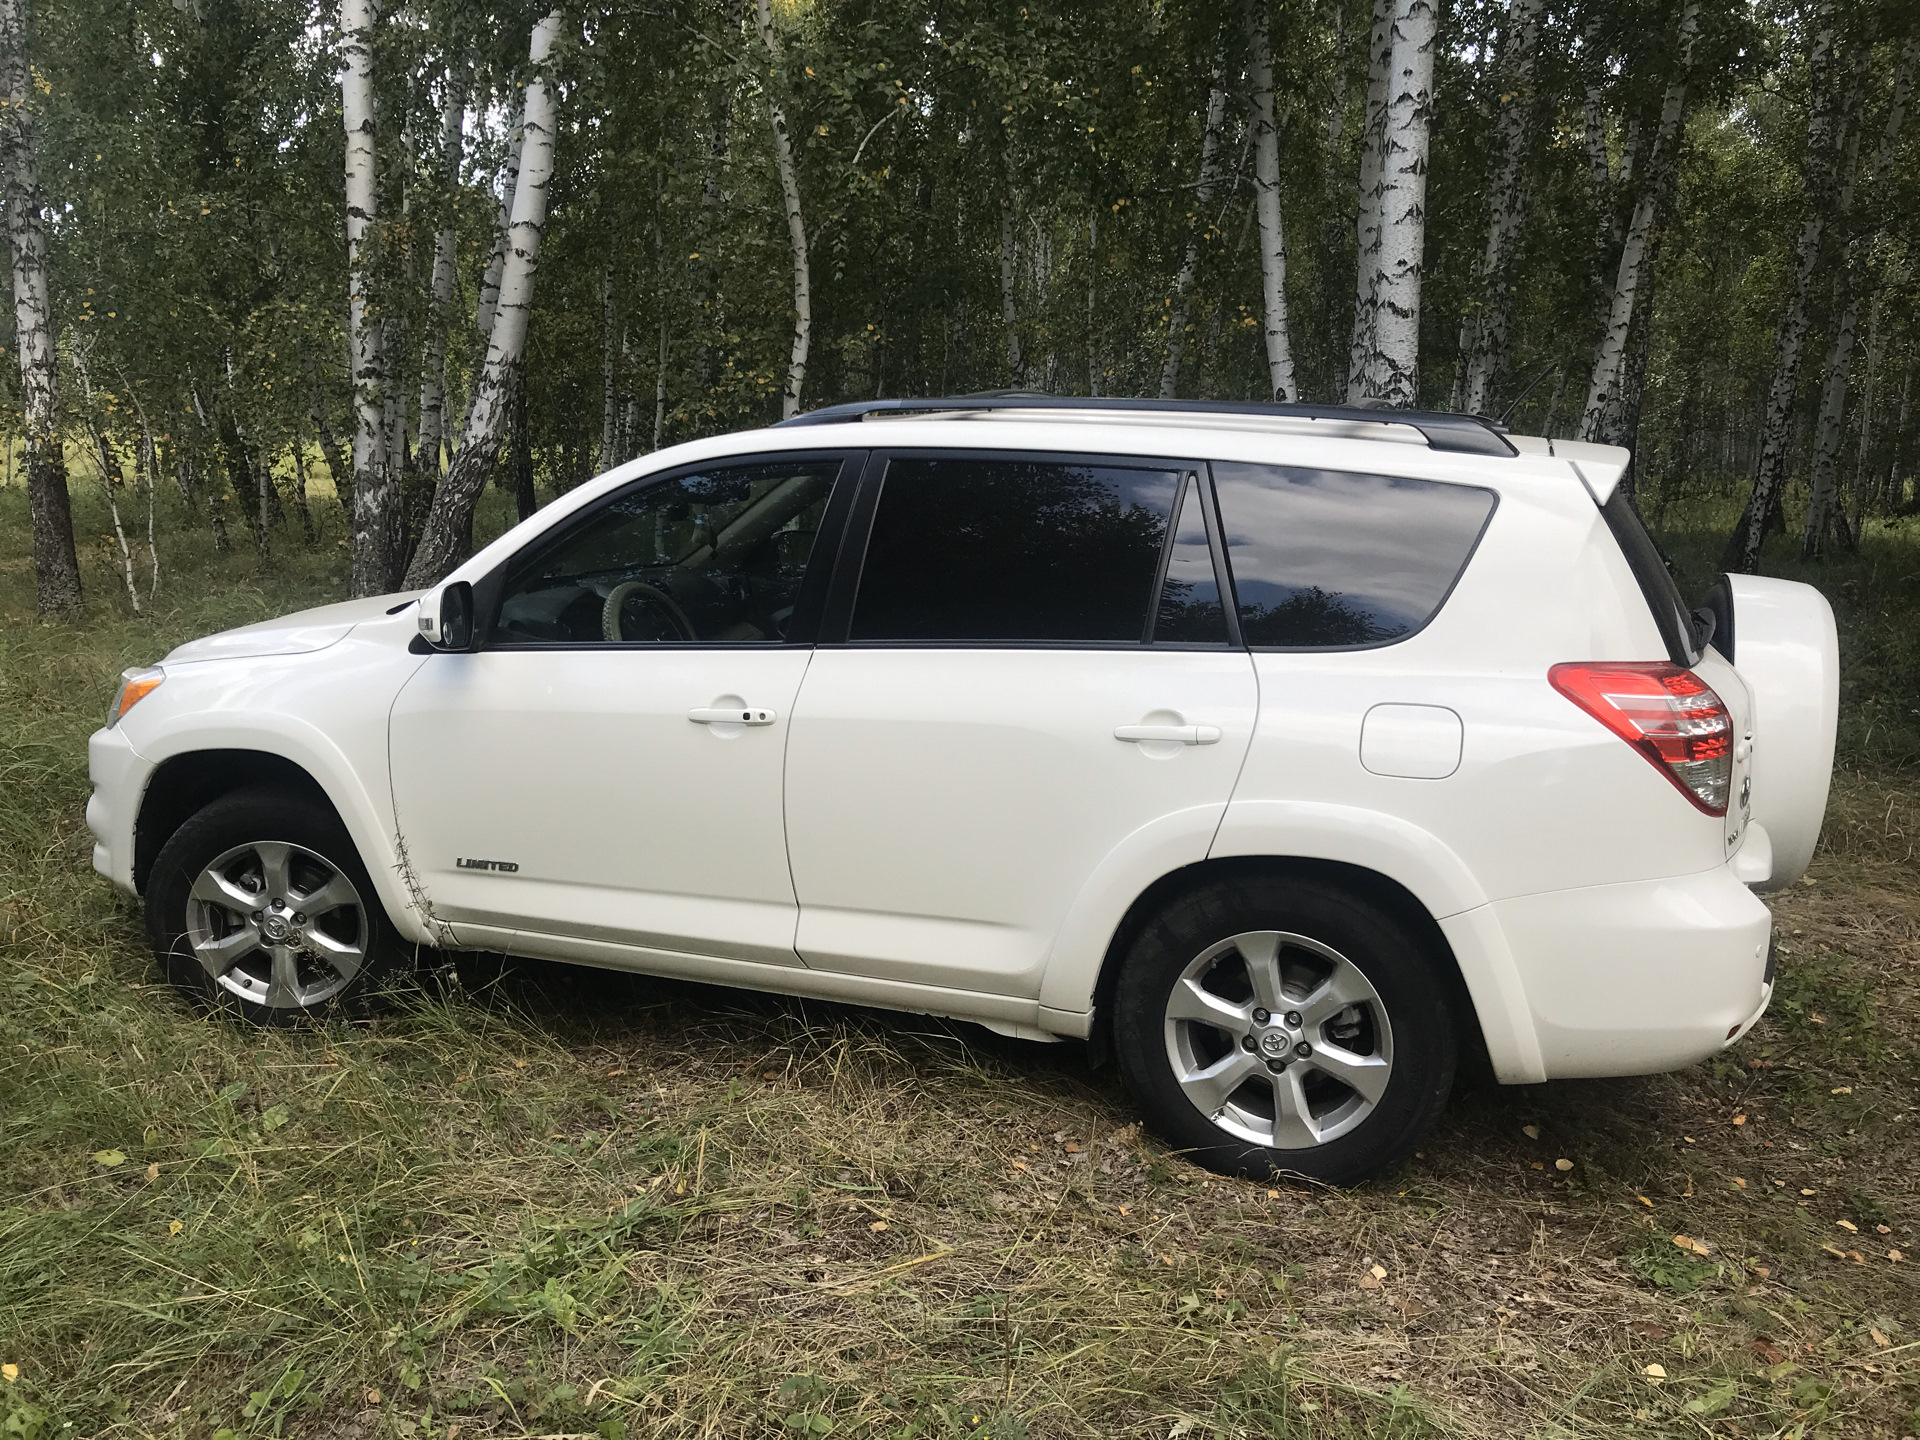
x=745 y=715
x=1179 y=734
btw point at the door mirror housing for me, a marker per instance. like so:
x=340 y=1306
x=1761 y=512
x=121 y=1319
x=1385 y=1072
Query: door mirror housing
x=446 y=617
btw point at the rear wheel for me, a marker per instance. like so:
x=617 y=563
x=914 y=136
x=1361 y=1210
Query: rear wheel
x=1282 y=1025
x=259 y=904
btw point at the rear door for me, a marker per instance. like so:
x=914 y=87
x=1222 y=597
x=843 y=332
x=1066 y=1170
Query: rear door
x=1026 y=660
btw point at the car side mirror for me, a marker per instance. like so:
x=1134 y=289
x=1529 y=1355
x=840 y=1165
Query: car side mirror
x=446 y=617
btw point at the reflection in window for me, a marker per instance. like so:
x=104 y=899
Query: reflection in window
x=1190 y=611
x=1325 y=558
x=711 y=558
x=987 y=549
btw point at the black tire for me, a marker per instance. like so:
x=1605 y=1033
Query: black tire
x=1414 y=1038
x=308 y=840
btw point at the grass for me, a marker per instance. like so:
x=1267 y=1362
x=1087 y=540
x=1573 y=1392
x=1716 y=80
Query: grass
x=535 y=1200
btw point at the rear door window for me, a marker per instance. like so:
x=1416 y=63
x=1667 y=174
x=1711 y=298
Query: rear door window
x=1331 y=559
x=985 y=549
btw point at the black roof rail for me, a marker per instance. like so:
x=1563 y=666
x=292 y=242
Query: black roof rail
x=1460 y=434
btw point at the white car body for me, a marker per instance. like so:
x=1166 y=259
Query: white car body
x=957 y=831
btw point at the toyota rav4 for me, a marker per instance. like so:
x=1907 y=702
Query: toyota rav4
x=1285 y=754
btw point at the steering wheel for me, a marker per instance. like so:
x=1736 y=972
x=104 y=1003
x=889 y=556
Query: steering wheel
x=658 y=601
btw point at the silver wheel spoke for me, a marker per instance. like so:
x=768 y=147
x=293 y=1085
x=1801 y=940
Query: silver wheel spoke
x=345 y=959
x=216 y=889
x=335 y=894
x=1294 y=1127
x=274 y=867
x=283 y=990
x=1190 y=1002
x=217 y=957
x=1344 y=986
x=1210 y=1088
x=1365 y=1075
x=1262 y=955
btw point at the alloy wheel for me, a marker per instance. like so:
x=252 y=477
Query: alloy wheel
x=277 y=925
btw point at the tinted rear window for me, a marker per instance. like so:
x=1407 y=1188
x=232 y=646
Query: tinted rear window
x=986 y=549
x=1327 y=558
x=1657 y=584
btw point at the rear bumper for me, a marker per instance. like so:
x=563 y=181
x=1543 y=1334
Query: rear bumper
x=1637 y=978
x=119 y=774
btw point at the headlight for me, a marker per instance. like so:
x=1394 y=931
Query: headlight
x=135 y=686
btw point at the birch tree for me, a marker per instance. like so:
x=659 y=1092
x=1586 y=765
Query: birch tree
x=448 y=535
x=1770 y=474
x=1486 y=331
x=56 y=565
x=1373 y=132
x=1598 y=421
x=1823 y=503
x=372 y=494
x=1266 y=200
x=796 y=222
x=1392 y=361
x=433 y=358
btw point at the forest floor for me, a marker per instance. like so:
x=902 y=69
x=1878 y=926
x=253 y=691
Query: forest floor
x=546 y=1201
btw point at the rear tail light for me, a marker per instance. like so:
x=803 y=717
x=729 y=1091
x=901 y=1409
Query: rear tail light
x=1666 y=713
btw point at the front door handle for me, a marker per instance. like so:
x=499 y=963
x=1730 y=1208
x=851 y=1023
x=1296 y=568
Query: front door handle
x=745 y=715
x=1178 y=734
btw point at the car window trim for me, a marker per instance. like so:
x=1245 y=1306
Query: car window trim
x=489 y=590
x=837 y=624
x=1439 y=606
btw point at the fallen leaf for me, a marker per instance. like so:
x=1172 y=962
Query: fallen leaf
x=1765 y=1349
x=1848 y=1225
x=153 y=1171
x=1379 y=1272
x=1071 y=1148
x=1166 y=1259
x=1019 y=1164
x=1644 y=1201
x=9 y=1373
x=1532 y=1132
x=1563 y=1165
x=1538 y=1166
x=1123 y=1209
x=1835 y=1251
x=1657 y=1372
x=1738 y=1181
x=1895 y=1255
x=1816 y=1019
x=109 y=1158
x=1687 y=1138
x=1856 y=1257
x=1884 y=1229
x=1739 y=1119
x=174 y=1227
x=519 y=1064
x=1369 y=1282
x=1806 y=1192
x=1842 y=1090
x=1688 y=1243
x=877 y=1225
x=1762 y=1271
x=1879 y=1337
x=373 y=1397
x=1273 y=1194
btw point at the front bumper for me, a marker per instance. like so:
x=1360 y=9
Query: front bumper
x=119 y=775
x=1642 y=977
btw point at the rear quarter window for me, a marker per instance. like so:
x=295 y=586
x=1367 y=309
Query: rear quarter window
x=1333 y=559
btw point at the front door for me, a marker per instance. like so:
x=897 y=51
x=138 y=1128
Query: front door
x=1036 y=665
x=608 y=765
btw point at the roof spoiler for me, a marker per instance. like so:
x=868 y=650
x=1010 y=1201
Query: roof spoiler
x=1457 y=434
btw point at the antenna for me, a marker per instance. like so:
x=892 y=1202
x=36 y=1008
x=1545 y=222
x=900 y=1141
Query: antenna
x=1531 y=387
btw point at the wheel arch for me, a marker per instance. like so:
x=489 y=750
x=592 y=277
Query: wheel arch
x=1368 y=885
x=183 y=785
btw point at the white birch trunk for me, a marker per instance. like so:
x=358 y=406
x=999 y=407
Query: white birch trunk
x=609 y=371
x=796 y=223
x=502 y=235
x=1486 y=331
x=448 y=535
x=1603 y=390
x=660 y=388
x=371 y=493
x=1266 y=203
x=1776 y=430
x=56 y=565
x=433 y=360
x=1393 y=362
x=1367 y=224
x=1196 y=222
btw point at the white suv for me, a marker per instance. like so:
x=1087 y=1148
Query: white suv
x=1281 y=752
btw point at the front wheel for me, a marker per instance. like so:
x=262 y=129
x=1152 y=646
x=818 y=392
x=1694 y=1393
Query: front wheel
x=1281 y=1025
x=259 y=905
